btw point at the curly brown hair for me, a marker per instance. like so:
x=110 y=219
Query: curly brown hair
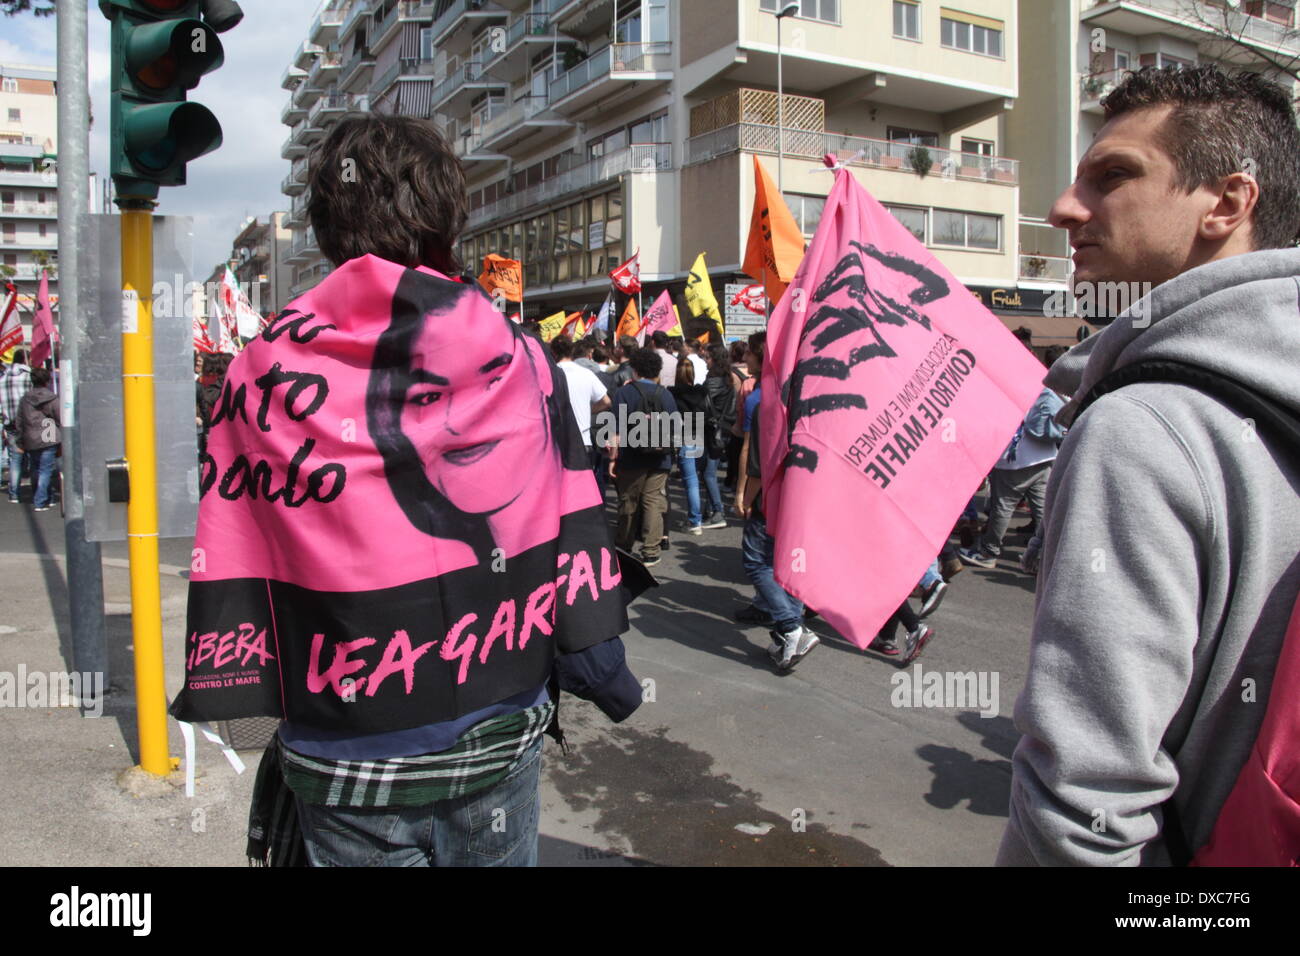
x=388 y=186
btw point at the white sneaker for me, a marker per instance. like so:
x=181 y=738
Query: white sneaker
x=794 y=647
x=695 y=529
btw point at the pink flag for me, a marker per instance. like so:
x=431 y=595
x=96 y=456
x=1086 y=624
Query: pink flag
x=11 y=328
x=660 y=317
x=42 y=324
x=888 y=392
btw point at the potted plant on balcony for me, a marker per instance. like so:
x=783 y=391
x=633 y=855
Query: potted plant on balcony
x=7 y=271
x=1035 y=267
x=572 y=57
x=920 y=161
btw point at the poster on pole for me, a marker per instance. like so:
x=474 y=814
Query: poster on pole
x=740 y=315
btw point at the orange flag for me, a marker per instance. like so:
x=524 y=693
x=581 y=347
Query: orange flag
x=630 y=323
x=776 y=245
x=504 y=274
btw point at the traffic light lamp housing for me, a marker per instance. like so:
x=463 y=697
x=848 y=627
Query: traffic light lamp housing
x=160 y=50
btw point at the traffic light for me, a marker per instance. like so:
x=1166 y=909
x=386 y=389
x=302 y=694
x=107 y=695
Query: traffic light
x=161 y=48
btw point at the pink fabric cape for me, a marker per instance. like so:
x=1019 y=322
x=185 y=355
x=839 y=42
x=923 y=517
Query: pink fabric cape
x=397 y=524
x=888 y=393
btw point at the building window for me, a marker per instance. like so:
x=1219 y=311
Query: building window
x=977 y=147
x=912 y=218
x=15 y=116
x=913 y=137
x=10 y=84
x=42 y=228
x=827 y=10
x=967 y=229
x=907 y=20
x=964 y=31
x=807 y=211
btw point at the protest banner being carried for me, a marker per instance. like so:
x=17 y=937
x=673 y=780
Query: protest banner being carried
x=888 y=393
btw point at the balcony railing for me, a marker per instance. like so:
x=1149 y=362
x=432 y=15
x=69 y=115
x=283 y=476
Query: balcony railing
x=617 y=58
x=1093 y=86
x=15 y=178
x=1045 y=268
x=530 y=24
x=855 y=150
x=1214 y=17
x=526 y=107
x=331 y=14
x=639 y=158
x=30 y=242
x=358 y=9
x=359 y=58
x=467 y=72
x=28 y=208
x=29 y=270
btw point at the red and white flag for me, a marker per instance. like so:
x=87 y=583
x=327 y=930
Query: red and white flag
x=247 y=323
x=42 y=325
x=11 y=329
x=627 y=277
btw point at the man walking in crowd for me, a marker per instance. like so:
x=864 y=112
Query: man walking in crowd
x=1021 y=472
x=791 y=641
x=1168 y=568
x=587 y=397
x=623 y=355
x=639 y=465
x=38 y=427
x=14 y=384
x=668 y=372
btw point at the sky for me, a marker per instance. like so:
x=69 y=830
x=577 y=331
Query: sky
x=240 y=179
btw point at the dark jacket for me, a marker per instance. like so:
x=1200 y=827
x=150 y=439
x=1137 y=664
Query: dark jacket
x=692 y=400
x=725 y=399
x=38 y=420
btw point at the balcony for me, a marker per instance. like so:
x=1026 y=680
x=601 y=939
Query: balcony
x=13 y=178
x=529 y=33
x=640 y=158
x=325 y=26
x=403 y=11
x=327 y=63
x=1036 y=268
x=303 y=248
x=30 y=242
x=359 y=10
x=356 y=68
x=30 y=271
x=294 y=146
x=306 y=52
x=291 y=77
x=330 y=107
x=37 y=210
x=292 y=112
x=469 y=147
x=528 y=115
x=603 y=73
x=853 y=150
x=460 y=21
x=1198 y=22
x=296 y=182
x=454 y=94
x=297 y=215
x=1093 y=88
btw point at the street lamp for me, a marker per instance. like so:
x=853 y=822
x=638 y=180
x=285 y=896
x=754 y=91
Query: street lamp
x=788 y=9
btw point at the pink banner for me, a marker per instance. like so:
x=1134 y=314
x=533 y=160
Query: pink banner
x=42 y=324
x=888 y=393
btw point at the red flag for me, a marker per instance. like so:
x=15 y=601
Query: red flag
x=752 y=298
x=627 y=277
x=11 y=329
x=202 y=341
x=42 y=325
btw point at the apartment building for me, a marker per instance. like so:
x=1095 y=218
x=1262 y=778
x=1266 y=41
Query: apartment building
x=591 y=128
x=257 y=258
x=29 y=208
x=1078 y=50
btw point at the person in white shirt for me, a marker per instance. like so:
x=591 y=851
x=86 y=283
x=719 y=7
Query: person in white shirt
x=668 y=376
x=587 y=396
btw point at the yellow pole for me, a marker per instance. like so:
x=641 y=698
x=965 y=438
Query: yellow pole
x=142 y=508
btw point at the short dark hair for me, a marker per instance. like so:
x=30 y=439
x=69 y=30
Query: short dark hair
x=737 y=352
x=757 y=343
x=647 y=363
x=1219 y=121
x=628 y=344
x=20 y=357
x=660 y=339
x=388 y=186
x=1025 y=335
x=40 y=377
x=599 y=355
x=561 y=348
x=582 y=348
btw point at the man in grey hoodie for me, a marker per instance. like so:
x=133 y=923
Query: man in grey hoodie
x=1169 y=562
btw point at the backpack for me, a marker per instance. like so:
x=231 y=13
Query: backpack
x=659 y=437
x=1259 y=823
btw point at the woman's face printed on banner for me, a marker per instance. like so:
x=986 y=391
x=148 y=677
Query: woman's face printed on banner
x=473 y=457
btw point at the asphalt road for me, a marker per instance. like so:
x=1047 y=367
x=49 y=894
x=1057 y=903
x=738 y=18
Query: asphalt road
x=726 y=763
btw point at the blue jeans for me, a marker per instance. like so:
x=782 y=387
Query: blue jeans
x=42 y=469
x=16 y=460
x=694 y=469
x=931 y=574
x=467 y=831
x=756 y=551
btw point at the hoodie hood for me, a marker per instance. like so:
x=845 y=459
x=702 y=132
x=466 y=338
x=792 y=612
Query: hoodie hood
x=1239 y=317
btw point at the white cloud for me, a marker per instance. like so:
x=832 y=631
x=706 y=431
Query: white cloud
x=240 y=179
